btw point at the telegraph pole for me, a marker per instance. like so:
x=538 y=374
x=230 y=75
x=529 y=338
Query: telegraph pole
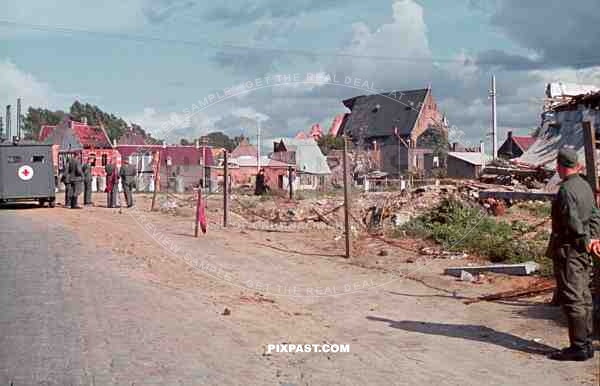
x=225 y=189
x=258 y=146
x=494 y=132
x=346 y=199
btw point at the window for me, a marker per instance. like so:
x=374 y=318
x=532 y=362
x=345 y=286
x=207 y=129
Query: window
x=15 y=159
x=104 y=159
x=92 y=159
x=306 y=179
x=37 y=158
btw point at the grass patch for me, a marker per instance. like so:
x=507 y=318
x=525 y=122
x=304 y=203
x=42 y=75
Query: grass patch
x=536 y=208
x=460 y=226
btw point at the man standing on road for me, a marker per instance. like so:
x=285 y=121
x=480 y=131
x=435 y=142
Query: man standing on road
x=74 y=179
x=87 y=184
x=112 y=185
x=574 y=211
x=128 y=175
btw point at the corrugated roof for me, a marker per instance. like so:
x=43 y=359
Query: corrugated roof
x=264 y=162
x=379 y=114
x=474 y=158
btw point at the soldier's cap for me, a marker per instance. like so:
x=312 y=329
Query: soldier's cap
x=567 y=157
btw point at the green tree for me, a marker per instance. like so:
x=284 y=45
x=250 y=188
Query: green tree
x=36 y=118
x=329 y=142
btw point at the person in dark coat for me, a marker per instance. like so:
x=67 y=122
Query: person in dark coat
x=87 y=184
x=112 y=185
x=128 y=174
x=74 y=179
x=261 y=183
x=574 y=219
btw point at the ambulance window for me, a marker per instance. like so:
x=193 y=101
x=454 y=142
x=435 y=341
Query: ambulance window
x=37 y=158
x=104 y=159
x=15 y=159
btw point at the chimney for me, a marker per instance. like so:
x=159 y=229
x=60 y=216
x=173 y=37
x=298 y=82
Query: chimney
x=509 y=135
x=19 y=118
x=8 y=133
x=454 y=146
x=482 y=147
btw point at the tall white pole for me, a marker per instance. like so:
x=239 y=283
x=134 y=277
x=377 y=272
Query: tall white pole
x=494 y=128
x=258 y=146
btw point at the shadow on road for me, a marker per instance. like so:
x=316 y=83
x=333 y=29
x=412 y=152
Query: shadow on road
x=20 y=206
x=470 y=332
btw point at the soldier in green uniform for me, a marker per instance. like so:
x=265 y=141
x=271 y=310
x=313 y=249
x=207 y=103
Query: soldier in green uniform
x=128 y=174
x=87 y=184
x=574 y=219
x=74 y=179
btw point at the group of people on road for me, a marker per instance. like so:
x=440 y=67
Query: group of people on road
x=78 y=178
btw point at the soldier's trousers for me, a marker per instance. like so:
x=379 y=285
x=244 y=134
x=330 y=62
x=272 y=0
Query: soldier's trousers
x=127 y=190
x=67 y=195
x=87 y=192
x=572 y=274
x=111 y=198
x=74 y=192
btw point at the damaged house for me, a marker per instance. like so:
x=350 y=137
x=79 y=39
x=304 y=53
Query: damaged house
x=562 y=125
x=406 y=125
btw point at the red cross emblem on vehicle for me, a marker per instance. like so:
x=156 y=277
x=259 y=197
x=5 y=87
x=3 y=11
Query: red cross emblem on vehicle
x=25 y=172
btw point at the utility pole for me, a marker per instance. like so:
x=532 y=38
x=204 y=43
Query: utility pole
x=258 y=146
x=225 y=189
x=19 y=118
x=8 y=133
x=1 y=127
x=346 y=199
x=494 y=132
x=290 y=181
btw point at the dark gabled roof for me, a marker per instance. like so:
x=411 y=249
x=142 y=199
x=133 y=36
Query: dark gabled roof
x=379 y=114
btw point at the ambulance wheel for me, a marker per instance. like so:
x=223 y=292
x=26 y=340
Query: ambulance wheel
x=42 y=201
x=52 y=203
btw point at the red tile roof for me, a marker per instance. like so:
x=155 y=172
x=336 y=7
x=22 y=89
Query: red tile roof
x=88 y=136
x=523 y=141
x=91 y=136
x=244 y=149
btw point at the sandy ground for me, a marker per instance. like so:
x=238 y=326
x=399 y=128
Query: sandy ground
x=414 y=330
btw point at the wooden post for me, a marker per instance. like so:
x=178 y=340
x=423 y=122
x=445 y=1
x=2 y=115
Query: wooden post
x=198 y=203
x=156 y=180
x=290 y=182
x=346 y=199
x=589 y=141
x=225 y=189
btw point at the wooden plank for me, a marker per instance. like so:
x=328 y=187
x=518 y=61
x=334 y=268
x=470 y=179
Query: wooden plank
x=522 y=269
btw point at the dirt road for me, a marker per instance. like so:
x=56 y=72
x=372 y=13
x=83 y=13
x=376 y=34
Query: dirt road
x=101 y=297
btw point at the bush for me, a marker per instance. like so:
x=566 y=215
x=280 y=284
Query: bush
x=459 y=226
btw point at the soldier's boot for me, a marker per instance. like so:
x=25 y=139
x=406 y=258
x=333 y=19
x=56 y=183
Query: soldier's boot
x=572 y=353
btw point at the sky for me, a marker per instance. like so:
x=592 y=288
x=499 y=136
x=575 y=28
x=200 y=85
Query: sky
x=147 y=60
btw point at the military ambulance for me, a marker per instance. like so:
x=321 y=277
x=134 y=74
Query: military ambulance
x=26 y=173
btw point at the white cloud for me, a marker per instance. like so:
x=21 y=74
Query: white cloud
x=15 y=83
x=90 y=15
